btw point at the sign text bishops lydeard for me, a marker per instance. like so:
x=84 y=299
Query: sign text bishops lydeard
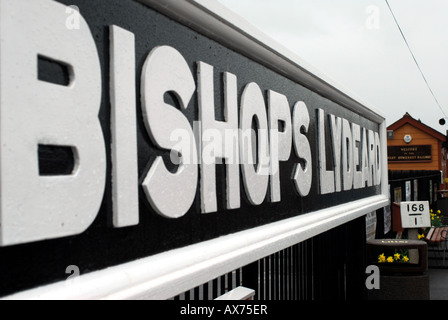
x=125 y=133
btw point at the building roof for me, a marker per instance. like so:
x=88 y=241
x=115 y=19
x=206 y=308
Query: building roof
x=407 y=119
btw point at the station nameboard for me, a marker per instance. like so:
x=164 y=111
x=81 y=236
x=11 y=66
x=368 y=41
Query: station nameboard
x=126 y=133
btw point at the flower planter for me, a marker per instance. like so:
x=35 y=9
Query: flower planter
x=401 y=287
x=399 y=281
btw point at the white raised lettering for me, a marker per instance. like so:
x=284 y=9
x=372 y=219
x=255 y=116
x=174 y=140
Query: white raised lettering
x=123 y=128
x=255 y=171
x=357 y=179
x=303 y=172
x=326 y=177
x=165 y=70
x=219 y=139
x=280 y=141
x=366 y=173
x=336 y=134
x=347 y=156
x=35 y=112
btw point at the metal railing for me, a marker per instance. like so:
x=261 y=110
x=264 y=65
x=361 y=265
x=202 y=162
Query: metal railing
x=328 y=266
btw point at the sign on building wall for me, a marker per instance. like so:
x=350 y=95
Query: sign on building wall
x=126 y=134
x=409 y=153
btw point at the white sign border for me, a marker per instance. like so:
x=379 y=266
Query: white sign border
x=168 y=274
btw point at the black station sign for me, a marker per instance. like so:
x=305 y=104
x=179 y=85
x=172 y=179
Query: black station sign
x=125 y=133
x=409 y=153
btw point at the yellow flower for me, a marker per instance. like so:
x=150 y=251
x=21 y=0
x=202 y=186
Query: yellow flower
x=397 y=256
x=381 y=258
x=438 y=211
x=405 y=259
x=431 y=210
x=390 y=259
x=421 y=236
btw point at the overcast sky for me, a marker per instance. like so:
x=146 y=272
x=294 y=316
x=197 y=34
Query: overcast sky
x=358 y=44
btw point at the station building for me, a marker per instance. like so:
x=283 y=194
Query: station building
x=412 y=145
x=417 y=162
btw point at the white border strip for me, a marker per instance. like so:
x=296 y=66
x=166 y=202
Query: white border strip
x=168 y=274
x=165 y=275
